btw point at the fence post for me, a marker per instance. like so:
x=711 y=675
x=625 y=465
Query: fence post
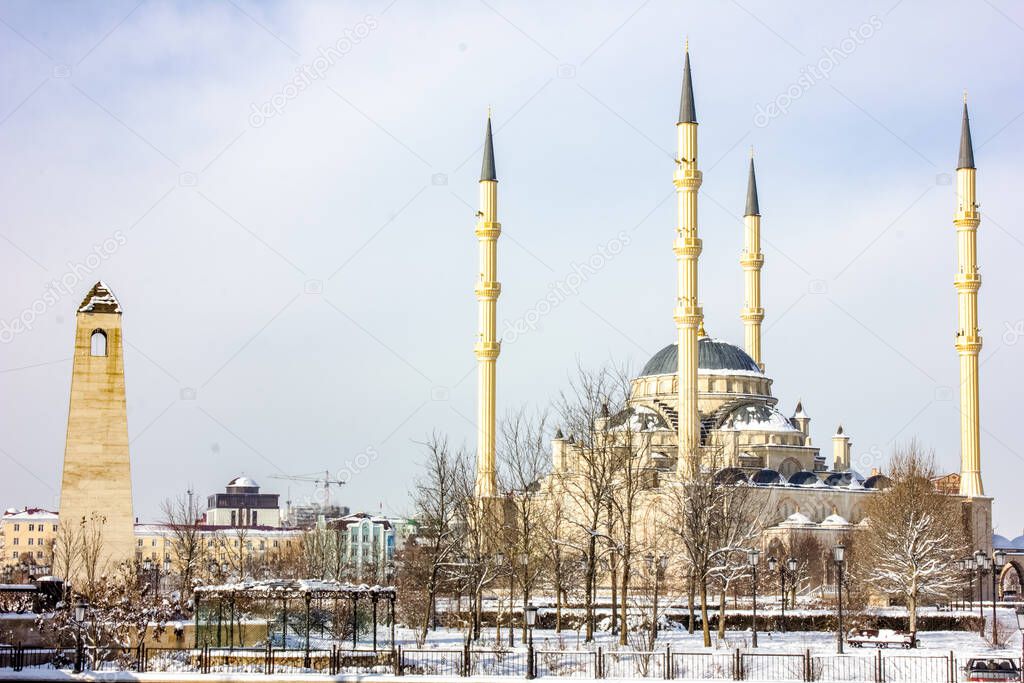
x=807 y=666
x=737 y=666
x=952 y=667
x=464 y=669
x=600 y=663
x=396 y=651
x=19 y=655
x=879 y=668
x=668 y=662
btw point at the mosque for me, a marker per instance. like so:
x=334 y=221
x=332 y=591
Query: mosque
x=701 y=395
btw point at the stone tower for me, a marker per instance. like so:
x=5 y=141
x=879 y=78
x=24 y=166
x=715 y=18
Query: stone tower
x=487 y=347
x=96 y=485
x=968 y=338
x=687 y=247
x=752 y=260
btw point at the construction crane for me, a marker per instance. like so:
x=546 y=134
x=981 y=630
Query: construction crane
x=317 y=479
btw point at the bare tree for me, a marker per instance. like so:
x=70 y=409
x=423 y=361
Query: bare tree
x=524 y=459
x=916 y=533
x=181 y=519
x=715 y=518
x=438 y=511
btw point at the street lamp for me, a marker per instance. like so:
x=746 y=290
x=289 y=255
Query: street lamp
x=753 y=555
x=979 y=565
x=839 y=556
x=998 y=561
x=531 y=621
x=80 y=608
x=1020 y=627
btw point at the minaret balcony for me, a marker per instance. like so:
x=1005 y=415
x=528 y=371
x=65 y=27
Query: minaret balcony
x=487 y=290
x=687 y=246
x=967 y=282
x=487 y=350
x=753 y=315
x=689 y=178
x=488 y=229
x=968 y=343
x=752 y=261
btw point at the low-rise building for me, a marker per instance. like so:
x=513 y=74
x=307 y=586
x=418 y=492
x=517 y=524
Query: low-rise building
x=242 y=505
x=27 y=536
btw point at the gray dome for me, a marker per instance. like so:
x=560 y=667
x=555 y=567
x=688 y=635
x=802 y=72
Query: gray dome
x=713 y=355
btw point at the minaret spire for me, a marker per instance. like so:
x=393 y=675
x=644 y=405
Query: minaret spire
x=487 y=347
x=687 y=246
x=752 y=259
x=968 y=338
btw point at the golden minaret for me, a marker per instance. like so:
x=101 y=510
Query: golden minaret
x=968 y=339
x=687 y=247
x=487 y=345
x=752 y=259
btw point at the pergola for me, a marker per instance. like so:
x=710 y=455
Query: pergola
x=273 y=598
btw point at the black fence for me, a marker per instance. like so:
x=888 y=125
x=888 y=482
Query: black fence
x=734 y=665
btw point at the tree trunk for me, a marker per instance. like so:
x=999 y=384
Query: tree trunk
x=431 y=588
x=615 y=599
x=691 y=590
x=912 y=611
x=721 y=614
x=624 y=630
x=559 y=594
x=591 y=570
x=704 y=626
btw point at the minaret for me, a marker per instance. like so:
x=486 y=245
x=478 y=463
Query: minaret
x=840 y=451
x=96 y=482
x=487 y=345
x=752 y=259
x=968 y=339
x=687 y=247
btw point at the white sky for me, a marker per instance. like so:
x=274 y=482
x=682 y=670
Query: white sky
x=138 y=118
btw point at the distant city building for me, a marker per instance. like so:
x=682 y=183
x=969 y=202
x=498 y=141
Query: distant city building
x=233 y=545
x=307 y=516
x=369 y=543
x=242 y=505
x=27 y=536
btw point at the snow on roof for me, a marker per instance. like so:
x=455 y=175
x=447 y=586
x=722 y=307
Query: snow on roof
x=798 y=519
x=295 y=586
x=100 y=300
x=835 y=520
x=33 y=514
x=759 y=417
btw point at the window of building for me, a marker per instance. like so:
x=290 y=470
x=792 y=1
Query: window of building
x=55 y=528
x=153 y=543
x=14 y=554
x=17 y=527
x=16 y=539
x=39 y=553
x=98 y=343
x=31 y=527
x=232 y=518
x=254 y=518
x=39 y=541
x=275 y=543
x=30 y=541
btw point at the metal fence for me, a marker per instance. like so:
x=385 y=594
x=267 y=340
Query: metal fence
x=734 y=665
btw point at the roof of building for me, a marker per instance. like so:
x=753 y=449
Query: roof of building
x=100 y=300
x=835 y=521
x=966 y=159
x=797 y=519
x=687 y=112
x=753 y=209
x=487 y=171
x=758 y=417
x=28 y=513
x=715 y=357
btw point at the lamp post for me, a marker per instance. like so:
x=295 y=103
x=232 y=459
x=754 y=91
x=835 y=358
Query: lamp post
x=998 y=561
x=1020 y=627
x=839 y=556
x=979 y=565
x=657 y=570
x=753 y=555
x=531 y=620
x=80 y=608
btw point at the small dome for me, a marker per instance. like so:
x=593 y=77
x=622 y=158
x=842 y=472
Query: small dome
x=877 y=481
x=797 y=519
x=767 y=477
x=731 y=475
x=1018 y=543
x=715 y=357
x=805 y=478
x=1001 y=542
x=835 y=521
x=843 y=478
x=243 y=481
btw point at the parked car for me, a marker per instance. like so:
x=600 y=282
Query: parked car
x=991 y=669
x=882 y=637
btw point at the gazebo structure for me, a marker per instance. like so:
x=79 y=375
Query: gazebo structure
x=303 y=606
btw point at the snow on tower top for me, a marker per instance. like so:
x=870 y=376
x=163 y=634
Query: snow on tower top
x=100 y=300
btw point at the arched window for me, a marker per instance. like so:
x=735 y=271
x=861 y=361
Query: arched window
x=99 y=343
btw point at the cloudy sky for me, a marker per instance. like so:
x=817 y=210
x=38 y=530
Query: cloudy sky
x=282 y=196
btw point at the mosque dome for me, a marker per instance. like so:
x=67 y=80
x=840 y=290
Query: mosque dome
x=715 y=357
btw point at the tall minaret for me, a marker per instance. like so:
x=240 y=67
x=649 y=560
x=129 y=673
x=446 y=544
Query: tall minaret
x=487 y=345
x=96 y=482
x=968 y=340
x=687 y=247
x=752 y=259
